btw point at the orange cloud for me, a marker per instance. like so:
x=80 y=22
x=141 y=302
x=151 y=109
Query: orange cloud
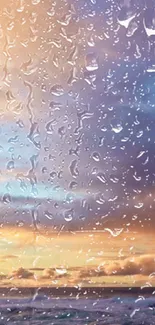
x=6 y=257
x=92 y=273
x=21 y=273
x=48 y=273
x=144 y=264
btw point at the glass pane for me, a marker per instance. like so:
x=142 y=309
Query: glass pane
x=77 y=91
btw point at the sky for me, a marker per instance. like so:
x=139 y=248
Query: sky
x=76 y=259
x=77 y=85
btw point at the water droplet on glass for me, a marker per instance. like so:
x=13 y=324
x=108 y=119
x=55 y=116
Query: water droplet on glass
x=53 y=175
x=114 y=232
x=133 y=26
x=6 y=198
x=73 y=185
x=149 y=22
x=68 y=215
x=49 y=127
x=101 y=177
x=91 y=62
x=48 y=215
x=125 y=16
x=139 y=205
x=82 y=218
x=96 y=156
x=141 y=154
x=57 y=90
x=73 y=168
x=61 y=271
x=114 y=179
x=69 y=198
x=117 y=128
x=51 y=12
x=35 y=2
x=10 y=165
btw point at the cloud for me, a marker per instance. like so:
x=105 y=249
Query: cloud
x=85 y=273
x=21 y=273
x=48 y=273
x=61 y=276
x=54 y=274
x=37 y=269
x=144 y=265
x=6 y=257
x=3 y=276
x=139 y=266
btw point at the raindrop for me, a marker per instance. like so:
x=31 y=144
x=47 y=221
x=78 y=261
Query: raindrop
x=65 y=20
x=133 y=26
x=73 y=185
x=117 y=129
x=138 y=205
x=33 y=134
x=100 y=199
x=149 y=23
x=134 y=312
x=90 y=41
x=134 y=217
x=49 y=127
x=55 y=106
x=139 y=134
x=23 y=185
x=51 y=12
x=94 y=171
x=44 y=170
x=61 y=271
x=10 y=165
x=6 y=198
x=101 y=177
x=73 y=168
x=96 y=156
x=35 y=2
x=137 y=178
x=20 y=123
x=60 y=174
x=114 y=179
x=126 y=16
x=114 y=232
x=91 y=62
x=69 y=198
x=34 y=214
x=113 y=198
x=48 y=215
x=57 y=90
x=34 y=161
x=13 y=140
x=20 y=223
x=53 y=175
x=61 y=131
x=82 y=218
x=140 y=154
x=68 y=216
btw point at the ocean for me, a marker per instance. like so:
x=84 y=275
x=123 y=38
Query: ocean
x=65 y=311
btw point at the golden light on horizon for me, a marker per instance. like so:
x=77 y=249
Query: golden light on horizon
x=84 y=258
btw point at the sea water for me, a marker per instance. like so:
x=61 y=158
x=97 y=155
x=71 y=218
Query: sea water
x=51 y=311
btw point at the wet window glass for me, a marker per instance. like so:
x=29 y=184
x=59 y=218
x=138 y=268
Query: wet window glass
x=77 y=162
